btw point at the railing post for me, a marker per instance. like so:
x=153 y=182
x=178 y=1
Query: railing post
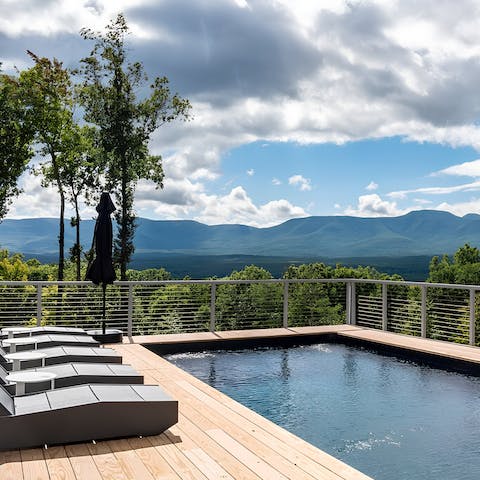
x=39 y=305
x=353 y=301
x=423 y=312
x=472 y=317
x=384 y=306
x=213 y=295
x=348 y=303
x=130 y=311
x=285 y=304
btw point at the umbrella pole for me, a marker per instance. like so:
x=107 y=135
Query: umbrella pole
x=104 y=287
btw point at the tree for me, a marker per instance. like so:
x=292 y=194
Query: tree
x=16 y=136
x=125 y=123
x=464 y=269
x=79 y=171
x=49 y=96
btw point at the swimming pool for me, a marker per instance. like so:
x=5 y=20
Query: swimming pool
x=389 y=418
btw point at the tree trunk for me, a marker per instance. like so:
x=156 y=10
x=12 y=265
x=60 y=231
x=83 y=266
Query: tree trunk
x=61 y=238
x=61 y=233
x=124 y=230
x=78 y=250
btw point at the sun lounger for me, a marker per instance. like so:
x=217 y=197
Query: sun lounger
x=84 y=413
x=45 y=341
x=67 y=354
x=46 y=330
x=69 y=374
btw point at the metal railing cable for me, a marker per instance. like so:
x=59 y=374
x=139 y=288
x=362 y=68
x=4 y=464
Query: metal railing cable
x=431 y=310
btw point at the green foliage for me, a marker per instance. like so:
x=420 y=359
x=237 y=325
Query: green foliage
x=12 y=267
x=244 y=305
x=450 y=306
x=154 y=274
x=48 y=95
x=124 y=123
x=16 y=136
x=464 y=269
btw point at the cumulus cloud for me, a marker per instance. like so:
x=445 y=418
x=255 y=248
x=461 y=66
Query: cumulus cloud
x=38 y=201
x=250 y=172
x=238 y=207
x=276 y=181
x=461 y=208
x=374 y=206
x=371 y=186
x=304 y=184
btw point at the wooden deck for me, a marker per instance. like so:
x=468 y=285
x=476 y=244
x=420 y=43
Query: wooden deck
x=216 y=437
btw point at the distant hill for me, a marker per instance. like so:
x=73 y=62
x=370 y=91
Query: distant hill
x=423 y=232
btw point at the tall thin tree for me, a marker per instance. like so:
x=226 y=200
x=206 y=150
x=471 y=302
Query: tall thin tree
x=125 y=123
x=49 y=95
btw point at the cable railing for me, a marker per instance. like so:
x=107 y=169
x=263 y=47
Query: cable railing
x=430 y=310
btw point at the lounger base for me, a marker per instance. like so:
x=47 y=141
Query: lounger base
x=105 y=419
x=86 y=423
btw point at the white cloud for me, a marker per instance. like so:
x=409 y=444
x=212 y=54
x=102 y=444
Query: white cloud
x=250 y=172
x=462 y=208
x=371 y=186
x=337 y=206
x=276 y=181
x=467 y=187
x=467 y=169
x=38 y=201
x=304 y=184
x=238 y=207
x=372 y=205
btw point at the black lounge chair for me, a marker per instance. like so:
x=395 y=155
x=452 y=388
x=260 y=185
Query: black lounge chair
x=67 y=354
x=46 y=330
x=70 y=374
x=44 y=341
x=84 y=413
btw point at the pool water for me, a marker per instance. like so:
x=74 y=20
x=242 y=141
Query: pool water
x=389 y=418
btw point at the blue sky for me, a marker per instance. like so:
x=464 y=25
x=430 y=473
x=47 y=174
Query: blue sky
x=365 y=108
x=336 y=175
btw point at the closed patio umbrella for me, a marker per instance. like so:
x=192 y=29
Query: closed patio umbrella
x=101 y=271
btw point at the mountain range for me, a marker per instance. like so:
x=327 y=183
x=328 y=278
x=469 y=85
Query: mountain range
x=425 y=232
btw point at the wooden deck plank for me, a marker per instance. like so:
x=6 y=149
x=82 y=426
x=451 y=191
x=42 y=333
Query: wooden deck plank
x=34 y=465
x=254 y=462
x=107 y=464
x=217 y=451
x=156 y=464
x=11 y=465
x=424 y=345
x=82 y=462
x=237 y=334
x=58 y=464
x=203 y=461
x=207 y=465
x=183 y=466
x=130 y=462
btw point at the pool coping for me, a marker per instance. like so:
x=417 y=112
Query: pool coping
x=436 y=353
